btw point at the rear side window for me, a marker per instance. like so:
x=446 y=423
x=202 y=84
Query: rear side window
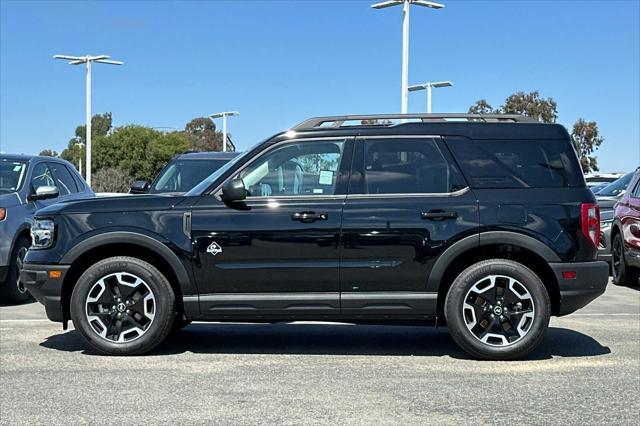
x=404 y=166
x=517 y=163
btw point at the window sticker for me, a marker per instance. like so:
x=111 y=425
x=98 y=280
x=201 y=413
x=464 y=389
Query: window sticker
x=318 y=191
x=326 y=177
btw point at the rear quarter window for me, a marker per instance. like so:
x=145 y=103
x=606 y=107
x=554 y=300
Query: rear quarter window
x=517 y=163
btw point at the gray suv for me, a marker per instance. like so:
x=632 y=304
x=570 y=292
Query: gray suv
x=28 y=183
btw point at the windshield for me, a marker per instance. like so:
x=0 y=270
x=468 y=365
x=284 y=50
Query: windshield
x=206 y=183
x=616 y=188
x=182 y=175
x=12 y=175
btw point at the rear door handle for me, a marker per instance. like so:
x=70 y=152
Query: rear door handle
x=309 y=217
x=438 y=215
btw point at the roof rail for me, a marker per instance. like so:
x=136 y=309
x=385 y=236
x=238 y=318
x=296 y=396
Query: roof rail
x=386 y=119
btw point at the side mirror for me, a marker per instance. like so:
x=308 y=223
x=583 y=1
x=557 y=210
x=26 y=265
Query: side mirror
x=233 y=190
x=139 y=187
x=44 y=193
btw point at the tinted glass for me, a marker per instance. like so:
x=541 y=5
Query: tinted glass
x=182 y=175
x=616 y=188
x=636 y=192
x=407 y=166
x=517 y=163
x=308 y=168
x=41 y=176
x=64 y=181
x=12 y=175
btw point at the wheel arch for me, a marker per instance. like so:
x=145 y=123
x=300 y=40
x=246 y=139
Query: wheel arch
x=140 y=246
x=499 y=244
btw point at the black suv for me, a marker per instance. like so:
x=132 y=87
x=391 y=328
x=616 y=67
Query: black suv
x=482 y=222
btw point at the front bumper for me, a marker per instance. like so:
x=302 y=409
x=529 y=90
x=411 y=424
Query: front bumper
x=48 y=291
x=590 y=281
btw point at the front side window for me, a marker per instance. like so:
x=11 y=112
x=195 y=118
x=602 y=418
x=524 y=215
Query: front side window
x=41 y=176
x=294 y=169
x=64 y=180
x=405 y=166
x=11 y=175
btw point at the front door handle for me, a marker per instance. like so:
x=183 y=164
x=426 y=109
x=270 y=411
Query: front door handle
x=438 y=215
x=309 y=217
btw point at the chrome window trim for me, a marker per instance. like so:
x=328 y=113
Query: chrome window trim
x=457 y=193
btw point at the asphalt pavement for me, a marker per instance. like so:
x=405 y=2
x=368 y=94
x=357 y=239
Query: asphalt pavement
x=587 y=371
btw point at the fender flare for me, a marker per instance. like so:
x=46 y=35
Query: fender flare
x=485 y=239
x=123 y=237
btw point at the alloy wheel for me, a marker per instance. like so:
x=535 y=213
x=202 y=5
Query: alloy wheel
x=19 y=262
x=120 y=307
x=498 y=310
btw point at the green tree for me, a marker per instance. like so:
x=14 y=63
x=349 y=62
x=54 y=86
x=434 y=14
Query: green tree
x=48 y=153
x=531 y=105
x=111 y=179
x=101 y=125
x=586 y=139
x=138 y=151
x=481 y=107
x=203 y=135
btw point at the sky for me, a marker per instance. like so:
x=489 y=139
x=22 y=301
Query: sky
x=281 y=62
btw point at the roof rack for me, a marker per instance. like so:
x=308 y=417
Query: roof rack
x=340 y=121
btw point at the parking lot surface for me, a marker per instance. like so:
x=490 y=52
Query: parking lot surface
x=587 y=371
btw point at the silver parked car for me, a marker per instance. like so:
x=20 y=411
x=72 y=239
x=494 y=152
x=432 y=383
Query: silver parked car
x=28 y=183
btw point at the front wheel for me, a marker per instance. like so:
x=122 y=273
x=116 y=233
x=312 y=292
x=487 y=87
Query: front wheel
x=13 y=291
x=623 y=274
x=123 y=306
x=497 y=309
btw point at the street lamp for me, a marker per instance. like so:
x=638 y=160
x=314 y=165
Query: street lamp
x=224 y=116
x=428 y=86
x=81 y=145
x=405 y=37
x=77 y=60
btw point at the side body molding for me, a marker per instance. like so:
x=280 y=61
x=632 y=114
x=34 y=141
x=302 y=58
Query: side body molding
x=485 y=239
x=131 y=238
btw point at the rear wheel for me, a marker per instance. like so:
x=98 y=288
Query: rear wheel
x=497 y=309
x=623 y=274
x=123 y=306
x=13 y=291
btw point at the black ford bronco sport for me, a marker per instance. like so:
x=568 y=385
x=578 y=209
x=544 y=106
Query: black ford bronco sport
x=482 y=222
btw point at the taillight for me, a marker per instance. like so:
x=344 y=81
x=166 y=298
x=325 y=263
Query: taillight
x=590 y=218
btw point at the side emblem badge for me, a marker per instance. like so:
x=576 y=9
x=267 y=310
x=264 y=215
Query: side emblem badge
x=214 y=248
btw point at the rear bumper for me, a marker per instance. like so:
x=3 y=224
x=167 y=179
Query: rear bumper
x=590 y=281
x=47 y=291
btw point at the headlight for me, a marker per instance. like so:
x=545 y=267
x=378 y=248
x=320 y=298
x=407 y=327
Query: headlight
x=43 y=233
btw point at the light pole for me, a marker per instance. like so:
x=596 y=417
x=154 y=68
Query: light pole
x=406 y=4
x=77 y=60
x=81 y=145
x=428 y=86
x=224 y=116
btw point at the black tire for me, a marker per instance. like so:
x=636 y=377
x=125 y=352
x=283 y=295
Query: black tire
x=12 y=291
x=536 y=304
x=100 y=281
x=622 y=273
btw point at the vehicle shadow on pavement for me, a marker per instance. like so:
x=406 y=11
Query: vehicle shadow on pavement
x=320 y=339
